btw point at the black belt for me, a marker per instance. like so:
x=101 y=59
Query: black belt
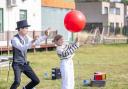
x=21 y=64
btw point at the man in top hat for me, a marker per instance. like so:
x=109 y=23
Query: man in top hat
x=20 y=43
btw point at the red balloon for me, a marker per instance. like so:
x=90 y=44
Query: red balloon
x=74 y=21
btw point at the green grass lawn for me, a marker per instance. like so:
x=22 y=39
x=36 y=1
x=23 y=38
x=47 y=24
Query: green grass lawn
x=111 y=59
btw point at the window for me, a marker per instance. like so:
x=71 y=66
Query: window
x=117 y=11
x=117 y=29
x=105 y=10
x=112 y=10
x=112 y=25
x=1 y=20
x=127 y=11
x=23 y=14
x=117 y=24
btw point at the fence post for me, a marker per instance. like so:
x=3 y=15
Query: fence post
x=34 y=50
x=8 y=42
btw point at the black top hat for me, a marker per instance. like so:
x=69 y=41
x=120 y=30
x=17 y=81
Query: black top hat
x=22 y=24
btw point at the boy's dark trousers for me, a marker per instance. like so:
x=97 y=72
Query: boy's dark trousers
x=27 y=70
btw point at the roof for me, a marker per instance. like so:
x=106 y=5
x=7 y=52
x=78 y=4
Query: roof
x=59 y=3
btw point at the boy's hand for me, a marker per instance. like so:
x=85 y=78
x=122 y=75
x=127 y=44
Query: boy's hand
x=47 y=31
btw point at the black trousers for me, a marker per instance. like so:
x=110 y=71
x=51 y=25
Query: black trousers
x=27 y=70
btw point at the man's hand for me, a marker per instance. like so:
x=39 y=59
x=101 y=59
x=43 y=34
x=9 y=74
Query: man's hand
x=34 y=39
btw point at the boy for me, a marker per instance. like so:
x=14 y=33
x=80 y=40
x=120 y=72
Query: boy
x=65 y=52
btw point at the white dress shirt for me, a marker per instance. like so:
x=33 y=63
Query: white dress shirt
x=27 y=42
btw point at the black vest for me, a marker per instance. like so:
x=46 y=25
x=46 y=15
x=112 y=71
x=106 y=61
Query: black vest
x=18 y=55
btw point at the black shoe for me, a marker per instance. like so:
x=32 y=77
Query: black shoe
x=24 y=88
